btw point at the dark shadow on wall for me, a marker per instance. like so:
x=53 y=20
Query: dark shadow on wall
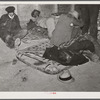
x=64 y=8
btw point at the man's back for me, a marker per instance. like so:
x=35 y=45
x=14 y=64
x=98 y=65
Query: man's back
x=63 y=30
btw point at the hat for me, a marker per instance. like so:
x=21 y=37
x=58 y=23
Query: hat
x=10 y=9
x=56 y=14
x=75 y=14
x=35 y=13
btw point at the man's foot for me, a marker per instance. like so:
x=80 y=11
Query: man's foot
x=93 y=57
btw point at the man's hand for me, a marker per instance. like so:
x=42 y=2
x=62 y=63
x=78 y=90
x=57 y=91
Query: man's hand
x=89 y=37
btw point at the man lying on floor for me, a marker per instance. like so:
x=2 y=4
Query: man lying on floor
x=68 y=30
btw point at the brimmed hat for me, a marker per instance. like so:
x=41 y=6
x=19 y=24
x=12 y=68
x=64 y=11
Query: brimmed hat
x=75 y=14
x=10 y=9
x=58 y=13
x=33 y=13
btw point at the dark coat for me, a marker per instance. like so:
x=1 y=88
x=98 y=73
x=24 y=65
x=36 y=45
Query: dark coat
x=64 y=31
x=9 y=26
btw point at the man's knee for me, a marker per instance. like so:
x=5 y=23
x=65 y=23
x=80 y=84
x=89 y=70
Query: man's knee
x=93 y=30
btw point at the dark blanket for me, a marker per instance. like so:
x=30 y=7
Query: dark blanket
x=71 y=55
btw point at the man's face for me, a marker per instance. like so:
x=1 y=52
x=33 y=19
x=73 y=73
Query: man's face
x=36 y=14
x=11 y=14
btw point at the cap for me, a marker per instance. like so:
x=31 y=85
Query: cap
x=10 y=9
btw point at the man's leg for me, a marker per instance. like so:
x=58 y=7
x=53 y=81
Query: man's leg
x=20 y=34
x=93 y=11
x=3 y=34
x=85 y=18
x=77 y=46
x=96 y=45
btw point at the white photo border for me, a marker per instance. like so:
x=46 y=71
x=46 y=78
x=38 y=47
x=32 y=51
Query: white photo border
x=52 y=94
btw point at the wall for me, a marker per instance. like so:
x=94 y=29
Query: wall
x=3 y=6
x=47 y=10
x=24 y=13
x=24 y=10
x=65 y=8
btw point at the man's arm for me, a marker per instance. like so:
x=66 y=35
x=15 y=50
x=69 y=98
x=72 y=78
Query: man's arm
x=77 y=24
x=3 y=20
x=18 y=22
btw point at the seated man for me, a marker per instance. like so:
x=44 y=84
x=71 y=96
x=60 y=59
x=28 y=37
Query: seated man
x=9 y=26
x=37 y=23
x=45 y=23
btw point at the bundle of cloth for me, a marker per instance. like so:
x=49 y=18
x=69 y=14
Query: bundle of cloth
x=74 y=53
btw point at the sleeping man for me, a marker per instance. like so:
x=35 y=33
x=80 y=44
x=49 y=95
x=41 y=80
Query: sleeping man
x=68 y=30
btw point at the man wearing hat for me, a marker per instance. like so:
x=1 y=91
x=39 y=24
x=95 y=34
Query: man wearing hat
x=67 y=26
x=9 y=26
x=44 y=22
x=39 y=20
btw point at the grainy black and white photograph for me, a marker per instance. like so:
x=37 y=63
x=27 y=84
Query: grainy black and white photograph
x=49 y=47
